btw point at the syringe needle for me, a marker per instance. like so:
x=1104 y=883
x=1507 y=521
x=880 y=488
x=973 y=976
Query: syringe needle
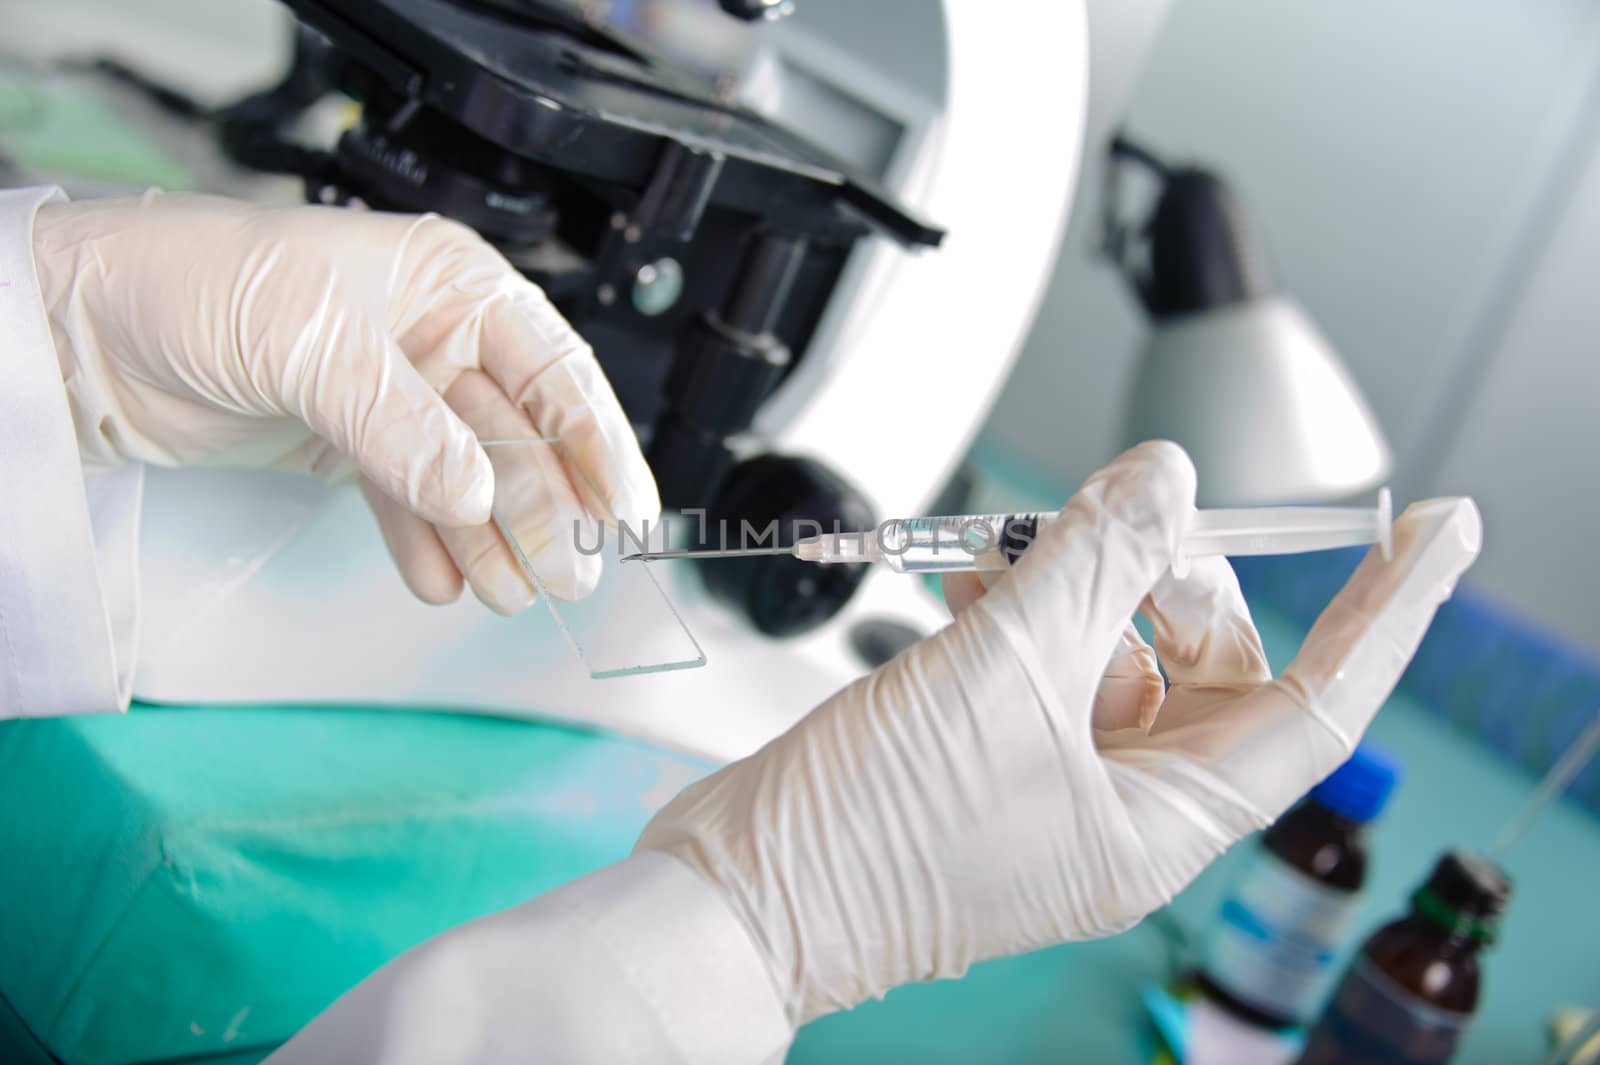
x=736 y=552
x=1549 y=790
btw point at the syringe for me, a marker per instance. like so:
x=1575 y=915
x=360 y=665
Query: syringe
x=993 y=541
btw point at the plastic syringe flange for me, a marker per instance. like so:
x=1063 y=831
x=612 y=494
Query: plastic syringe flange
x=1386 y=523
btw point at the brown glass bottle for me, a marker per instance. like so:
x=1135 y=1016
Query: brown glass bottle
x=1413 y=987
x=1270 y=959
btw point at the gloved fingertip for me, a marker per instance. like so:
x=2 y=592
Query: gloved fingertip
x=1147 y=493
x=505 y=591
x=1436 y=540
x=1453 y=517
x=1340 y=673
x=962 y=589
x=569 y=575
x=635 y=504
x=630 y=495
x=584 y=583
x=435 y=588
x=1150 y=486
x=1167 y=464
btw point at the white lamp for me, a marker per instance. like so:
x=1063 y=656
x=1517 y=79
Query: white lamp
x=1233 y=370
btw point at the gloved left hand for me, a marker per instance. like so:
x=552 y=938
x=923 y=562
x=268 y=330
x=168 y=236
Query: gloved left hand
x=192 y=329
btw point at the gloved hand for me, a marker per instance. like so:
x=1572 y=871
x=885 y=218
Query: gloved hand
x=991 y=790
x=192 y=329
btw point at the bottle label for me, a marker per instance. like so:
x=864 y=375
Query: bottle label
x=1279 y=935
x=1375 y=1021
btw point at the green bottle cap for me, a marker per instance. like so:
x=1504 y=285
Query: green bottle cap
x=1466 y=894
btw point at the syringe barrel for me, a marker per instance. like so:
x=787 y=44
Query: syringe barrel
x=1282 y=530
x=939 y=544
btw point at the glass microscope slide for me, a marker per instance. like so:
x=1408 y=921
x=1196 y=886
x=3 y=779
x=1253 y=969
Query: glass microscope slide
x=627 y=625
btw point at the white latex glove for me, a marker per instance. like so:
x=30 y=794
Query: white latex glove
x=192 y=329
x=961 y=803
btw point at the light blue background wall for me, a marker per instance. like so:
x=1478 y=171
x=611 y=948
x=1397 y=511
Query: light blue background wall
x=1424 y=174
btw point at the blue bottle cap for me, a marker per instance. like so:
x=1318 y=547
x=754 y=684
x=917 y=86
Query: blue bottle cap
x=1361 y=787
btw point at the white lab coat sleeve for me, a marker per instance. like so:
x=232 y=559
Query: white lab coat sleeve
x=642 y=962
x=68 y=540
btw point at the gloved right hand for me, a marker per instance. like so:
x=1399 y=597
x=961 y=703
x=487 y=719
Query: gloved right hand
x=193 y=329
x=1024 y=777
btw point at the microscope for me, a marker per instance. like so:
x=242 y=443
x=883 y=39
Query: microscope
x=693 y=242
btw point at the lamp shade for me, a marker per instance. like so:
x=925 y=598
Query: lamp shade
x=1257 y=396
